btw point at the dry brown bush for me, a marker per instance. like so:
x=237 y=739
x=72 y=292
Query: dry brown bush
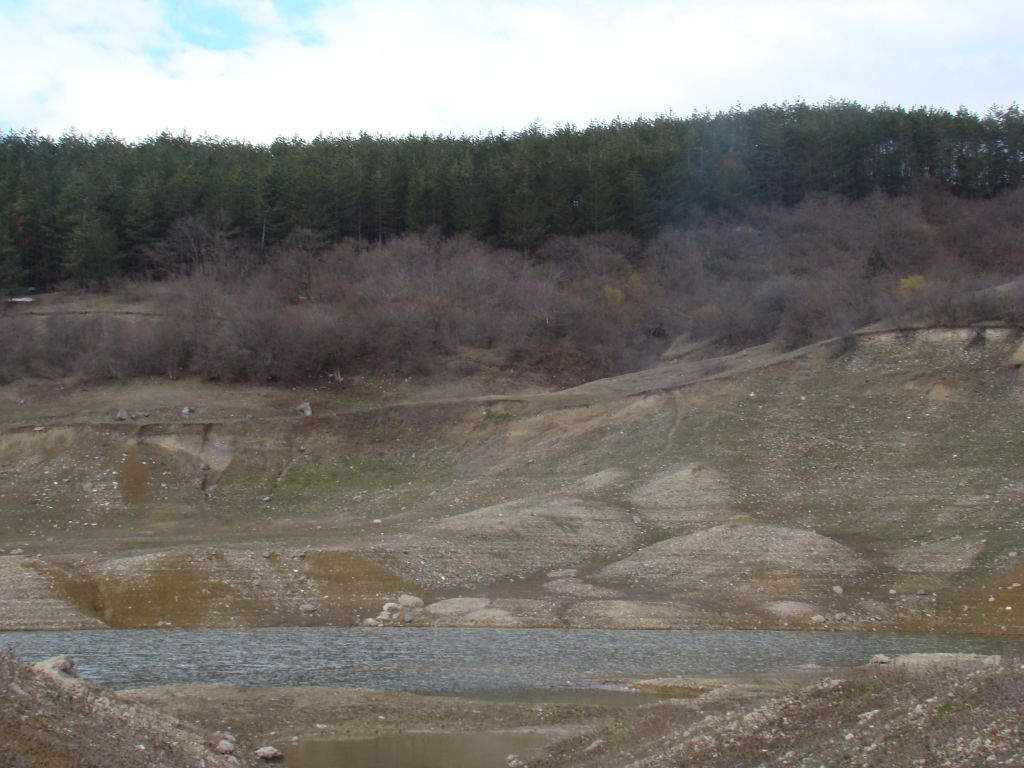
x=576 y=307
x=821 y=307
x=123 y=349
x=18 y=340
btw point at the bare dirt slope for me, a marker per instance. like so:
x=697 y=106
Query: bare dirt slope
x=958 y=714
x=932 y=709
x=876 y=483
x=53 y=719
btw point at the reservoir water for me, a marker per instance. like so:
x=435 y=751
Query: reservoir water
x=487 y=662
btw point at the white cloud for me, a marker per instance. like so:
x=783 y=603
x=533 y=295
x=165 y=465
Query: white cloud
x=456 y=66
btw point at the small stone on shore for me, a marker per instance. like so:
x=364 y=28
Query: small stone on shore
x=268 y=753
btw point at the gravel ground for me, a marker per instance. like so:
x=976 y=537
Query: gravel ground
x=52 y=720
x=928 y=714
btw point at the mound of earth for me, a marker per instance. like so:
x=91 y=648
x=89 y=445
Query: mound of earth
x=52 y=719
x=734 y=554
x=690 y=494
x=514 y=540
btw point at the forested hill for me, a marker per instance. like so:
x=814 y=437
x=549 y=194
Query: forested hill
x=90 y=208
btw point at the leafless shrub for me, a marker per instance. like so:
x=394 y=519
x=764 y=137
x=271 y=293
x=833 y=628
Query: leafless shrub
x=191 y=243
x=113 y=355
x=258 y=335
x=823 y=306
x=18 y=340
x=295 y=263
x=133 y=290
x=987 y=233
x=576 y=306
x=66 y=342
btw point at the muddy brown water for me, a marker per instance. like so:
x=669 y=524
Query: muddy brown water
x=419 y=750
x=133 y=476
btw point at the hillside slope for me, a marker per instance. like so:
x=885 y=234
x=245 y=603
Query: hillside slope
x=51 y=718
x=924 y=711
x=875 y=484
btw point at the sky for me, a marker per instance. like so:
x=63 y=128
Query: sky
x=259 y=70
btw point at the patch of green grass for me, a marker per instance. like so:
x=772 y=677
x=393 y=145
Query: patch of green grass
x=349 y=472
x=332 y=487
x=498 y=416
x=347 y=402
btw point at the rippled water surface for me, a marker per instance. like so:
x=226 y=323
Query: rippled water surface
x=452 y=661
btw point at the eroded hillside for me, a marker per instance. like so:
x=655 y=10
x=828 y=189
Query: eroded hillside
x=875 y=484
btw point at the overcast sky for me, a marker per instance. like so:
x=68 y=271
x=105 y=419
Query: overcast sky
x=258 y=70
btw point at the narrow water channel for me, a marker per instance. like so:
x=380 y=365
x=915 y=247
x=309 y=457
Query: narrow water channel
x=486 y=662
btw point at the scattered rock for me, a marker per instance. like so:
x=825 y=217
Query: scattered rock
x=308 y=608
x=837 y=589
x=817 y=619
x=305 y=409
x=563 y=573
x=188 y=410
x=410 y=601
x=490 y=617
x=124 y=415
x=57 y=666
x=881 y=658
x=371 y=623
x=952 y=555
x=224 y=747
x=515 y=761
x=1018 y=355
x=790 y=610
x=268 y=753
x=630 y=614
x=457 y=605
x=927 y=661
x=391 y=607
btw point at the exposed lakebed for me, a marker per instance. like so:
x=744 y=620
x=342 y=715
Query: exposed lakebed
x=446 y=661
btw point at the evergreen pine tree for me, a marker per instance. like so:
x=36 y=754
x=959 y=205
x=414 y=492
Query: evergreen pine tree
x=92 y=257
